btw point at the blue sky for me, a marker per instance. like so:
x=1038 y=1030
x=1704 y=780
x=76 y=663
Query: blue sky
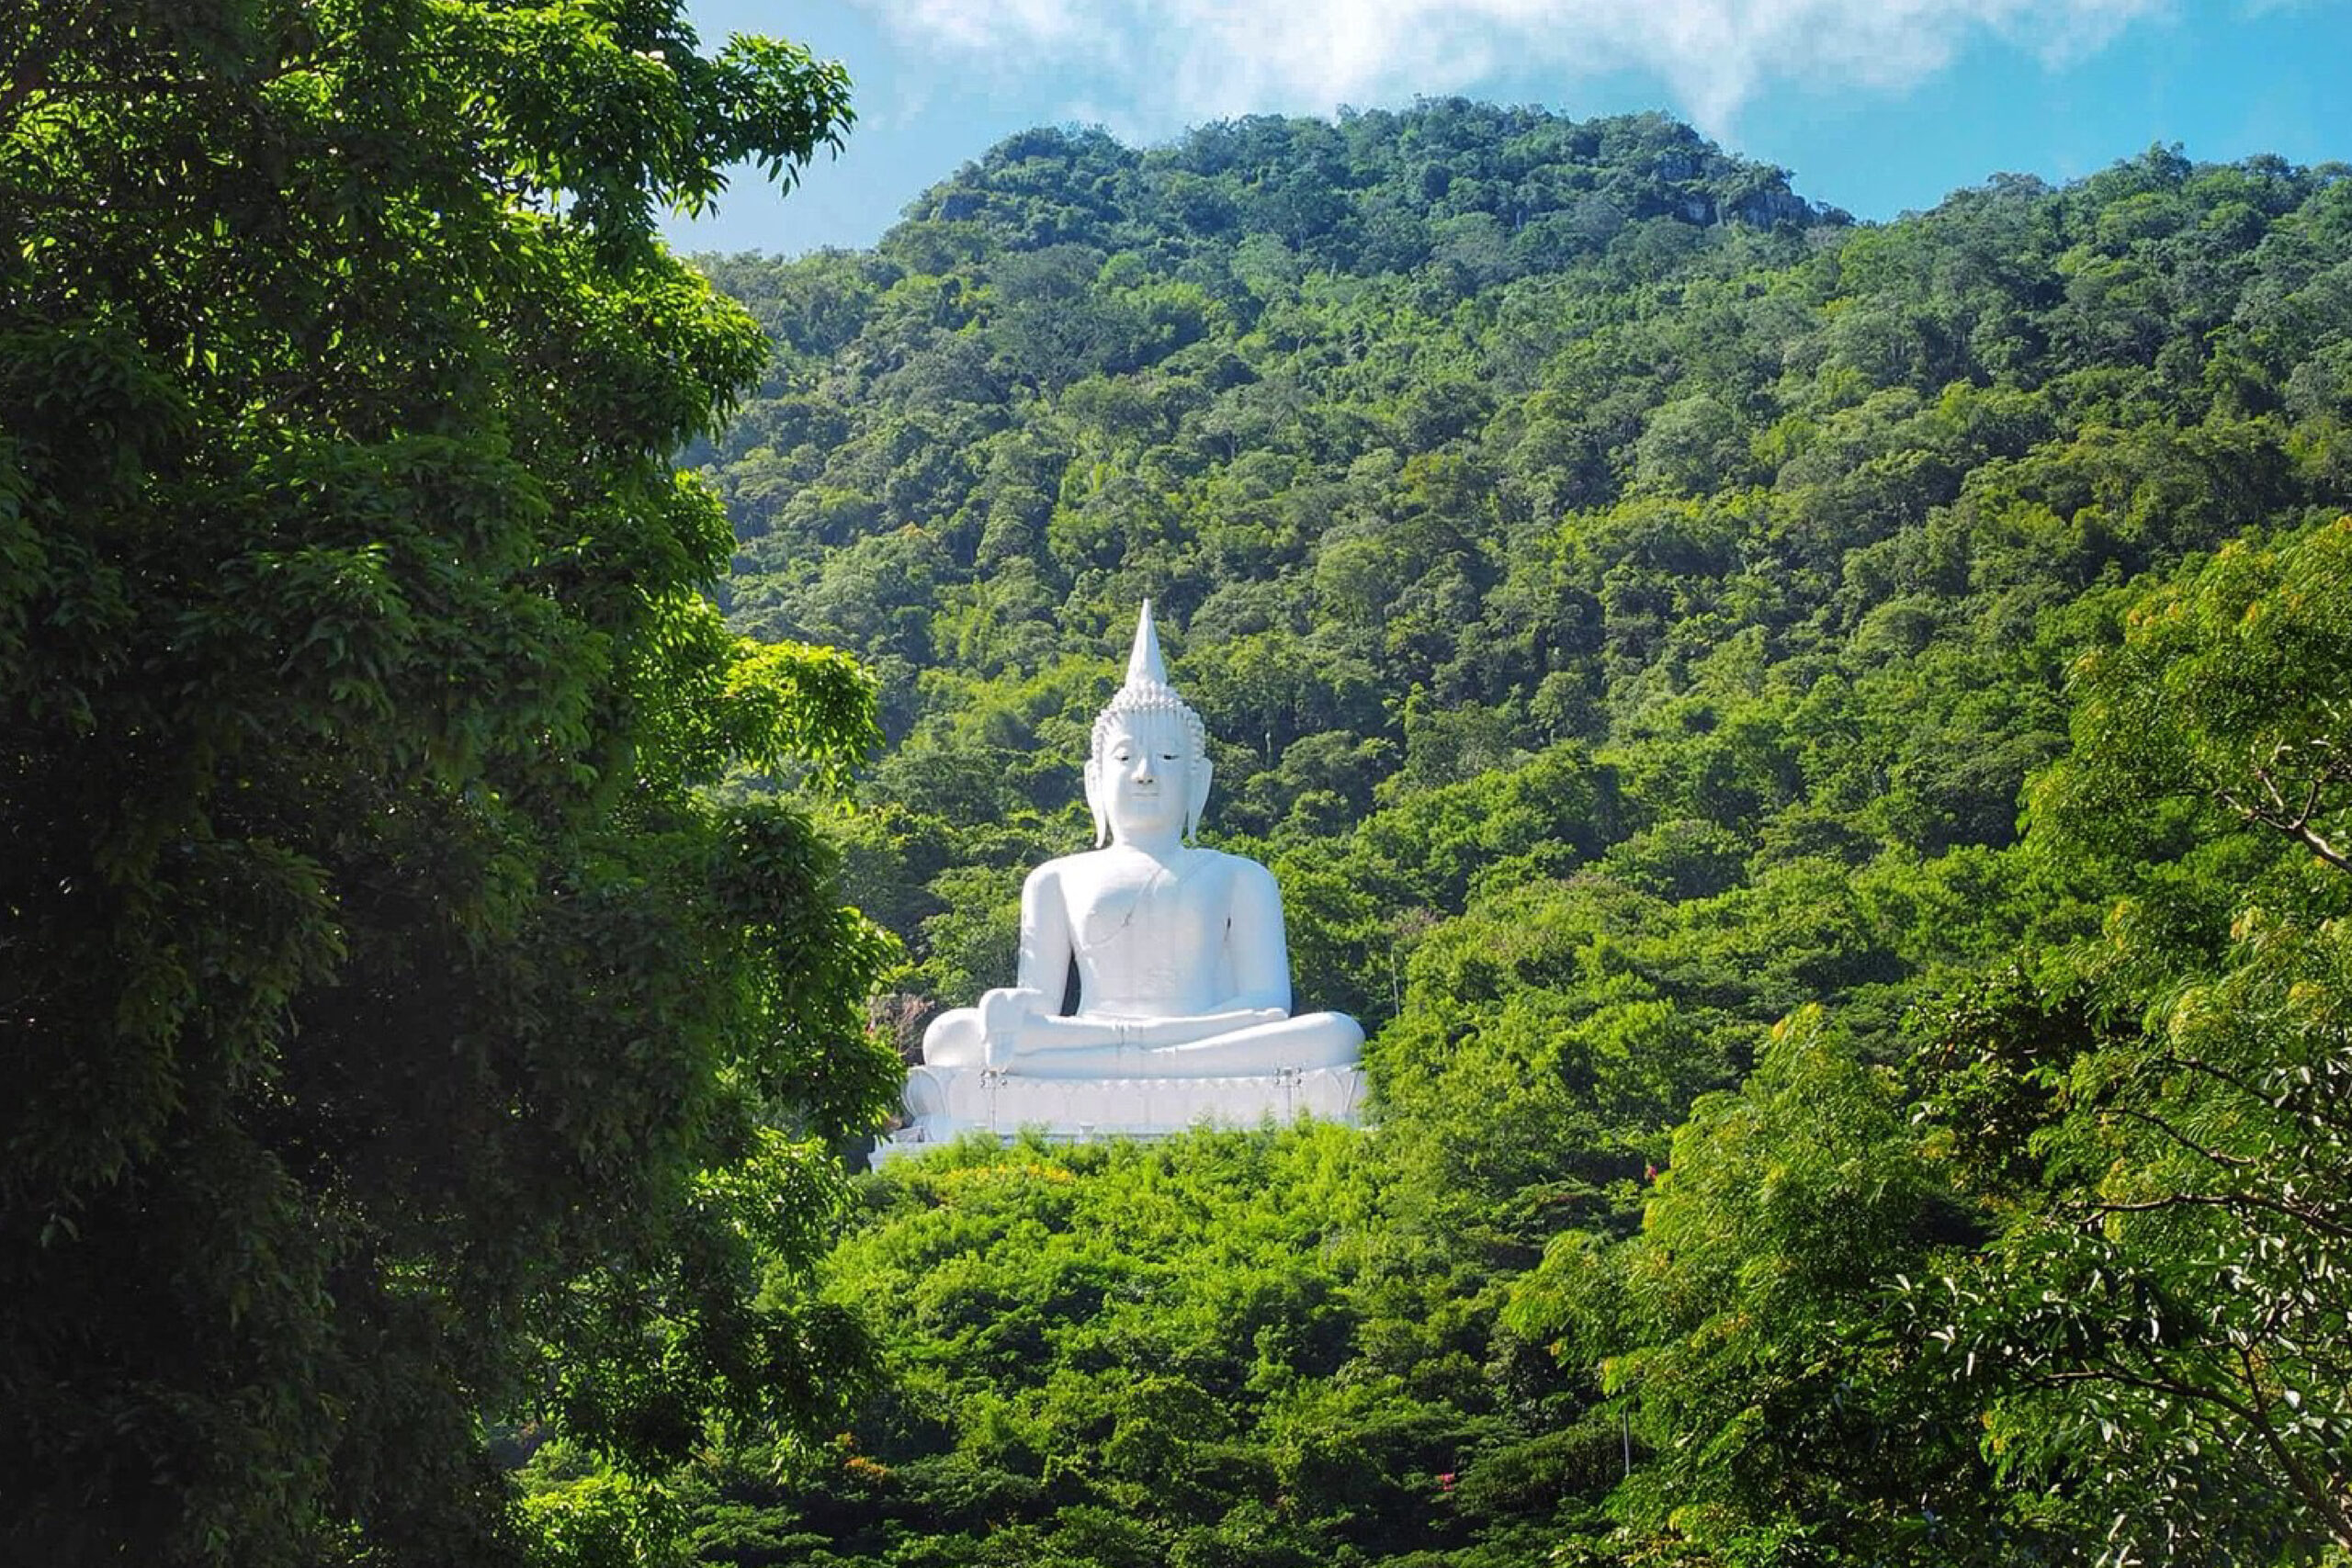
x=1877 y=106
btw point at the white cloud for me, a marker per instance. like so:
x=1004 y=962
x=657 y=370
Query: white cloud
x=1184 y=60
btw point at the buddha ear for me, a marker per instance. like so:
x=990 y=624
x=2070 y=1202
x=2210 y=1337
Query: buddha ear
x=1094 y=801
x=1202 y=771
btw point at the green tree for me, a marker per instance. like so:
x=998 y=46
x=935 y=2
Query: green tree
x=2159 y=1324
x=2156 y=1332
x=397 y=1034
x=1752 y=1338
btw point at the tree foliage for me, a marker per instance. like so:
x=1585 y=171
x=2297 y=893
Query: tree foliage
x=400 y=1036
x=2165 y=1302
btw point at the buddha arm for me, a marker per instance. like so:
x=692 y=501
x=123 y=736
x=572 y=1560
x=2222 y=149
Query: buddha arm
x=1256 y=945
x=1043 y=966
x=1012 y=1018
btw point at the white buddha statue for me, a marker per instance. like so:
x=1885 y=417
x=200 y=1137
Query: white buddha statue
x=1182 y=969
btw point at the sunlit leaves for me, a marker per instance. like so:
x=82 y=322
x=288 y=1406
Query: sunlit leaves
x=2227 y=689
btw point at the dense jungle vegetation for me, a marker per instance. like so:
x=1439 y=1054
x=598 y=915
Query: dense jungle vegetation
x=397 y=1032
x=1817 y=750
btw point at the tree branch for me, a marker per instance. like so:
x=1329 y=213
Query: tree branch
x=2183 y=1139
x=2199 y=1064
x=2227 y=1201
x=2147 y=1383
x=2329 y=1508
x=2295 y=825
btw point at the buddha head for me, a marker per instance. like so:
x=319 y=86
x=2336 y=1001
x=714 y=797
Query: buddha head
x=1148 y=769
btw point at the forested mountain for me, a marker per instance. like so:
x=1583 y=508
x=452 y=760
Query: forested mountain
x=1817 y=750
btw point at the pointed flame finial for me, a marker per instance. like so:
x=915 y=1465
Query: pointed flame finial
x=1144 y=664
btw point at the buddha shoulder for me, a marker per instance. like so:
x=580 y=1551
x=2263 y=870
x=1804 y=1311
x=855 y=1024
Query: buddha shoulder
x=1201 y=865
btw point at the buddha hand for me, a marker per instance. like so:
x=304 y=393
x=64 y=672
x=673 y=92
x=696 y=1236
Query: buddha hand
x=1003 y=1013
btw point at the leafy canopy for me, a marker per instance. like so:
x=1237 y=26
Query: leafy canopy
x=397 y=1035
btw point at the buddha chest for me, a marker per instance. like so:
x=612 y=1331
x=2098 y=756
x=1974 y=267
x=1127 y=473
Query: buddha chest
x=1150 y=937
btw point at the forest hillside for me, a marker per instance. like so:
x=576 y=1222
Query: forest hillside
x=1816 y=750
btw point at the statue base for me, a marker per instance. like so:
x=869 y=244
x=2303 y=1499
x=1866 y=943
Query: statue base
x=961 y=1101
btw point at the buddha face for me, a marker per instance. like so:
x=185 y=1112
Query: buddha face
x=1145 y=784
